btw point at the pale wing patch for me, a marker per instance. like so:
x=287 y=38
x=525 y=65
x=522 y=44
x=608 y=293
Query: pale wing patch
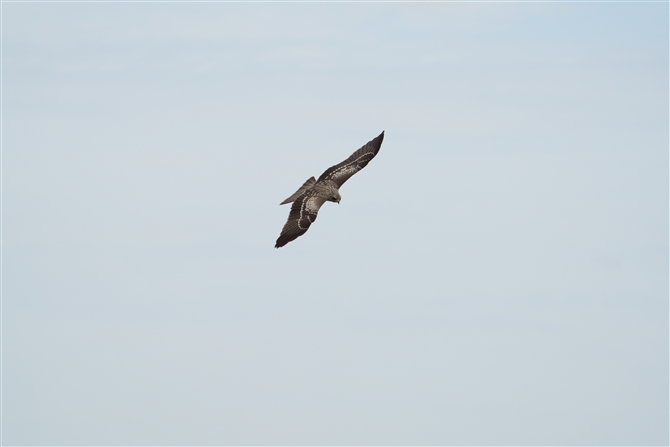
x=346 y=171
x=313 y=204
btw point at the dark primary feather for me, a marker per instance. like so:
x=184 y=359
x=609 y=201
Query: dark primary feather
x=341 y=172
x=299 y=220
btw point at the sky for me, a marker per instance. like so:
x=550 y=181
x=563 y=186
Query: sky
x=497 y=275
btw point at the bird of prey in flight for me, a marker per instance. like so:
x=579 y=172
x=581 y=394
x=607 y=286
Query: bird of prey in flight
x=313 y=193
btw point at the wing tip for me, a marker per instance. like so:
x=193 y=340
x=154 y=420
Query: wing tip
x=378 y=141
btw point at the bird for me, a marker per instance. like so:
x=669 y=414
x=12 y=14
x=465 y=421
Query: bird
x=313 y=193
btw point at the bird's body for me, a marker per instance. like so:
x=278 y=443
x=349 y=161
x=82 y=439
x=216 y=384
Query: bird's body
x=314 y=193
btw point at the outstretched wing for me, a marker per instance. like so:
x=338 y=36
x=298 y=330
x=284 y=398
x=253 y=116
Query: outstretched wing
x=341 y=172
x=303 y=213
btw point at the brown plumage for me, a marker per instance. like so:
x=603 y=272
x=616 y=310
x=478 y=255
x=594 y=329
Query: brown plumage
x=313 y=193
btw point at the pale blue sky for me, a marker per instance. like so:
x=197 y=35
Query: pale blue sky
x=497 y=275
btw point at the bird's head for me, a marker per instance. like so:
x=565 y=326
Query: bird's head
x=335 y=197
